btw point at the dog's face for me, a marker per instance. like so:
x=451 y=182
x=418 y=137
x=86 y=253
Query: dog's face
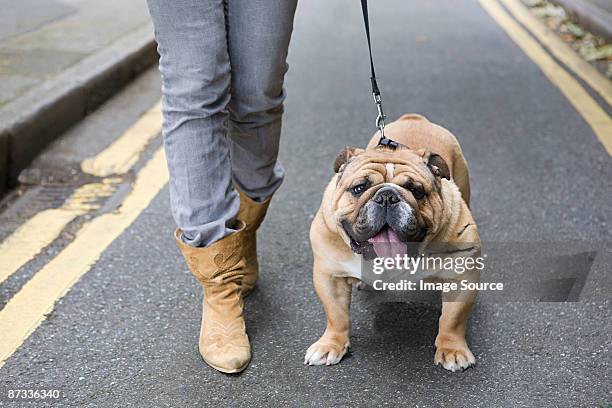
x=387 y=196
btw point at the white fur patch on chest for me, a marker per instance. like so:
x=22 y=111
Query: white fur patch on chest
x=352 y=267
x=390 y=169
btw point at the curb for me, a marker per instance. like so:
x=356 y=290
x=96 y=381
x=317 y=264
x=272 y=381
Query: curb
x=589 y=16
x=32 y=121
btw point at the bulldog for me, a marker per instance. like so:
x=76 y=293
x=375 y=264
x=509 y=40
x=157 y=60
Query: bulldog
x=416 y=194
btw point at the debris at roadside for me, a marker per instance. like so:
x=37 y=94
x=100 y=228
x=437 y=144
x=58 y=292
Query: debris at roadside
x=594 y=49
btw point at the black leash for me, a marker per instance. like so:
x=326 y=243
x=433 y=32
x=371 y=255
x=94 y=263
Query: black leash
x=380 y=119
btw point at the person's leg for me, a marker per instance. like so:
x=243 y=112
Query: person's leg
x=259 y=33
x=195 y=68
x=195 y=84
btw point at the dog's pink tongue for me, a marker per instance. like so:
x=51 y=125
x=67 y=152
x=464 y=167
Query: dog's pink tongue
x=387 y=243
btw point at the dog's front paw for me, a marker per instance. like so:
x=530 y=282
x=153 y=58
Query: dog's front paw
x=454 y=357
x=326 y=352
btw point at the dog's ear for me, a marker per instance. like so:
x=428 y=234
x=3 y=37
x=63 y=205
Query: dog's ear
x=344 y=157
x=436 y=164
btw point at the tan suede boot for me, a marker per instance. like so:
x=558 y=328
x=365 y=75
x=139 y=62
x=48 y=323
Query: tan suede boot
x=252 y=213
x=220 y=268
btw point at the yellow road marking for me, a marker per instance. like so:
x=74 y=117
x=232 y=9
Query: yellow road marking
x=561 y=50
x=43 y=228
x=28 y=308
x=593 y=114
x=120 y=156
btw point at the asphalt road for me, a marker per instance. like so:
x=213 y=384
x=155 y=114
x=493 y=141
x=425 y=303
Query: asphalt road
x=126 y=333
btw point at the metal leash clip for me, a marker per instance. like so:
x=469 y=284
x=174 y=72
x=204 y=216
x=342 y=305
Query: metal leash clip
x=380 y=119
x=380 y=124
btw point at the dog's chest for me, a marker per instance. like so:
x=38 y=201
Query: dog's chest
x=351 y=268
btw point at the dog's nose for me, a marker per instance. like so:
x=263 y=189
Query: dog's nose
x=387 y=196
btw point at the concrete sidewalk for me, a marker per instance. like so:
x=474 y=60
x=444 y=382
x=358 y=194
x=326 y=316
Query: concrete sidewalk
x=59 y=59
x=40 y=39
x=605 y=5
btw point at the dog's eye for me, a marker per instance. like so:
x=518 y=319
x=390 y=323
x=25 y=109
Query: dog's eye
x=417 y=192
x=358 y=189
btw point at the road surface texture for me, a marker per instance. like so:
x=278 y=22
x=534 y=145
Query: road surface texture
x=125 y=334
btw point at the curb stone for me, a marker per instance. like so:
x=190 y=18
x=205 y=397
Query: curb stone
x=32 y=121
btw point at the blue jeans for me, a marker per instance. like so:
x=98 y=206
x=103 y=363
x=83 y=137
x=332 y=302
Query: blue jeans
x=222 y=64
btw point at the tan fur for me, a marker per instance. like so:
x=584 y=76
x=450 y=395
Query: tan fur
x=446 y=213
x=417 y=132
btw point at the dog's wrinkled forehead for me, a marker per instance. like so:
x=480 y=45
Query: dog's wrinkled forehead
x=368 y=159
x=427 y=164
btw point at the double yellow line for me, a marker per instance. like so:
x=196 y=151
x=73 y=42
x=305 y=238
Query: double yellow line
x=42 y=229
x=28 y=308
x=591 y=111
